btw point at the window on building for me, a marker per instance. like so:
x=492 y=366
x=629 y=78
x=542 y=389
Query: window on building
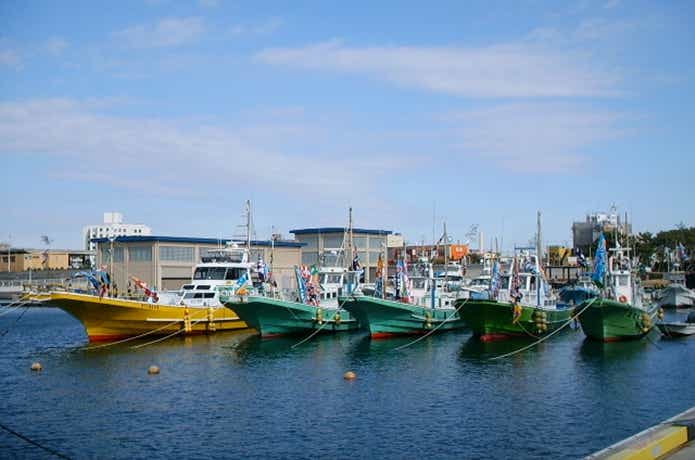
x=312 y=242
x=332 y=241
x=376 y=242
x=374 y=257
x=310 y=258
x=176 y=253
x=363 y=257
x=140 y=254
x=118 y=254
x=360 y=242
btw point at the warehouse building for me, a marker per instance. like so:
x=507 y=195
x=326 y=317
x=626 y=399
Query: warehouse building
x=167 y=262
x=368 y=244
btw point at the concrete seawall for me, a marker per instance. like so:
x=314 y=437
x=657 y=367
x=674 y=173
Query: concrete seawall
x=671 y=439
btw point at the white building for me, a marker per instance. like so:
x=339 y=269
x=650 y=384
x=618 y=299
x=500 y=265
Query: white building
x=113 y=226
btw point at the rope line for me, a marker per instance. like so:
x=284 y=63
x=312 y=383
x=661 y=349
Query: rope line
x=547 y=336
x=430 y=332
x=128 y=339
x=26 y=308
x=135 y=347
x=340 y=307
x=34 y=443
x=22 y=301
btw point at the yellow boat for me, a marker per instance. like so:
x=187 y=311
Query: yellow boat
x=112 y=318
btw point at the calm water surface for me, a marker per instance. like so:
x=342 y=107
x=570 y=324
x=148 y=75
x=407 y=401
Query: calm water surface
x=233 y=395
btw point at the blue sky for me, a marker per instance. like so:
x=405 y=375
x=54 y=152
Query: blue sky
x=174 y=113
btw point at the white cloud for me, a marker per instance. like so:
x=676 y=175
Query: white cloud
x=515 y=71
x=10 y=58
x=178 y=157
x=166 y=32
x=534 y=137
x=264 y=28
x=55 y=46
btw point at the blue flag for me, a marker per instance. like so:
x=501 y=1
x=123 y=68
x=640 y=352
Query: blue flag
x=301 y=285
x=241 y=282
x=495 y=280
x=600 y=262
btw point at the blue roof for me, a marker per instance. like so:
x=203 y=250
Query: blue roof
x=307 y=231
x=194 y=240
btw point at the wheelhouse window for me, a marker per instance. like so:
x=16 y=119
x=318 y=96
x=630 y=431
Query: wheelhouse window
x=331 y=278
x=209 y=273
x=234 y=273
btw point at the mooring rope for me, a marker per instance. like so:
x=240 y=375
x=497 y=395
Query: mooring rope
x=13 y=306
x=135 y=347
x=547 y=336
x=430 y=332
x=128 y=339
x=34 y=443
x=340 y=307
x=26 y=308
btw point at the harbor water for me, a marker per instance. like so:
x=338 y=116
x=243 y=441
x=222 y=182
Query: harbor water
x=233 y=395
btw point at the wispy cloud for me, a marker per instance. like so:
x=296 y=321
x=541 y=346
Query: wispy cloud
x=209 y=3
x=10 y=58
x=535 y=137
x=183 y=155
x=166 y=32
x=55 y=45
x=263 y=28
x=515 y=71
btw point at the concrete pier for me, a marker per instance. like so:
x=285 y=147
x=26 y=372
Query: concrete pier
x=673 y=439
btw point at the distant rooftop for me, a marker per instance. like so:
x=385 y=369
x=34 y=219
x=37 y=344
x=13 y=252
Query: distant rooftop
x=195 y=240
x=367 y=231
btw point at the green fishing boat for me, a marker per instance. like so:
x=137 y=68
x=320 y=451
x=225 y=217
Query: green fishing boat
x=385 y=318
x=492 y=320
x=517 y=303
x=619 y=313
x=314 y=308
x=417 y=307
x=276 y=317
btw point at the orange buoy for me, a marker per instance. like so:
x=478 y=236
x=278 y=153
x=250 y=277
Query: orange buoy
x=36 y=367
x=349 y=375
x=153 y=370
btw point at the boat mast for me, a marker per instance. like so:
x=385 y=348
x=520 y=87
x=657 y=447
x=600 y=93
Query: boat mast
x=539 y=257
x=446 y=257
x=248 y=227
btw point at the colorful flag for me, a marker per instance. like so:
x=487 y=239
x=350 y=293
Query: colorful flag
x=301 y=284
x=495 y=280
x=600 y=262
x=515 y=291
x=356 y=262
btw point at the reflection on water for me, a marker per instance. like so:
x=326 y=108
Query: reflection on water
x=234 y=394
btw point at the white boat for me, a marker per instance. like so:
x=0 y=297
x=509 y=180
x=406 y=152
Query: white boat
x=676 y=296
x=222 y=267
x=677 y=329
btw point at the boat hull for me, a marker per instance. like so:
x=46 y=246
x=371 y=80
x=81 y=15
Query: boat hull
x=676 y=329
x=111 y=319
x=384 y=318
x=611 y=321
x=275 y=317
x=493 y=320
